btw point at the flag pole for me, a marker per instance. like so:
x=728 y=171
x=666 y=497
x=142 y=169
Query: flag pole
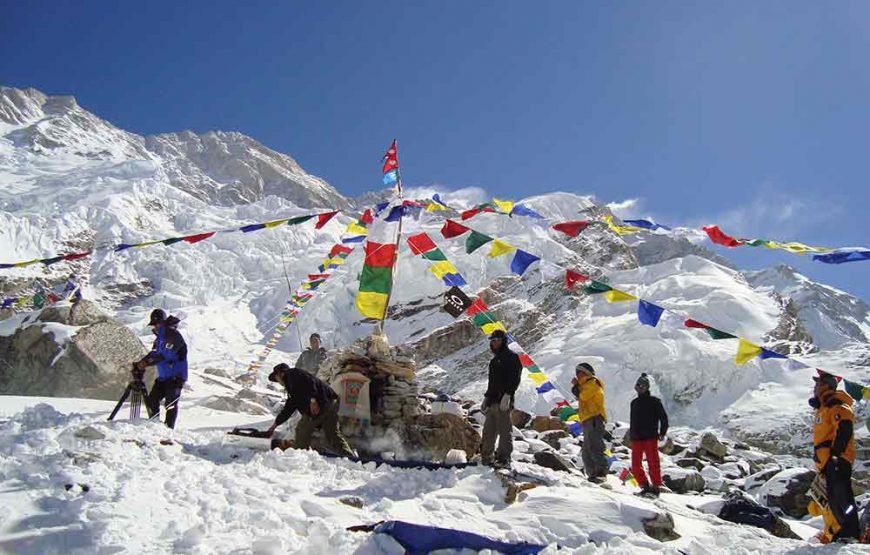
x=380 y=326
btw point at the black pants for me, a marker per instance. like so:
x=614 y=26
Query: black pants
x=167 y=391
x=841 y=499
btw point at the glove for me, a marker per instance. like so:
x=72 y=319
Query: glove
x=505 y=404
x=834 y=461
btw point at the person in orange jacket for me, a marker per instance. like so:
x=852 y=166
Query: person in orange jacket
x=834 y=454
x=590 y=394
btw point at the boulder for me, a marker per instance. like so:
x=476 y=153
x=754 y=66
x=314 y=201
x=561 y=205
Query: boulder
x=787 y=490
x=711 y=444
x=434 y=435
x=660 y=527
x=689 y=462
x=547 y=423
x=53 y=359
x=352 y=501
x=520 y=419
x=234 y=404
x=82 y=313
x=553 y=460
x=758 y=479
x=671 y=447
x=682 y=480
x=552 y=437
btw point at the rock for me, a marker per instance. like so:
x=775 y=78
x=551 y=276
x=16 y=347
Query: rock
x=234 y=404
x=689 y=462
x=682 y=480
x=712 y=478
x=437 y=434
x=353 y=501
x=660 y=527
x=735 y=470
x=546 y=423
x=553 y=460
x=552 y=437
x=672 y=448
x=758 y=479
x=219 y=372
x=455 y=456
x=787 y=490
x=520 y=419
x=83 y=313
x=89 y=433
x=711 y=444
x=52 y=359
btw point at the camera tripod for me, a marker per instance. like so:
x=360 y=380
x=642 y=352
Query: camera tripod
x=136 y=391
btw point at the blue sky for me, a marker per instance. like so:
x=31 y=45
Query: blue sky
x=753 y=115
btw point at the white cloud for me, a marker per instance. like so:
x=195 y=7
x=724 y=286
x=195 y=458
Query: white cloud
x=628 y=208
x=464 y=197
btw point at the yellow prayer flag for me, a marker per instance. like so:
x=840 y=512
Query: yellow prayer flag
x=538 y=377
x=866 y=393
x=28 y=263
x=573 y=418
x=620 y=229
x=746 y=351
x=504 y=205
x=500 y=248
x=443 y=267
x=371 y=305
x=616 y=296
x=435 y=207
x=356 y=229
x=276 y=223
x=492 y=326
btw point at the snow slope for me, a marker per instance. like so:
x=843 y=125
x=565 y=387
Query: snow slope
x=131 y=493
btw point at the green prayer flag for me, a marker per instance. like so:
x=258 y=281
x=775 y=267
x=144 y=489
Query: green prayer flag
x=594 y=287
x=475 y=241
x=434 y=255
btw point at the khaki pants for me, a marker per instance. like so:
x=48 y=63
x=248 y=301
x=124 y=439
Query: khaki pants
x=497 y=425
x=327 y=420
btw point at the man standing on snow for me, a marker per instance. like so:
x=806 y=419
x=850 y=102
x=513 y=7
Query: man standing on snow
x=169 y=353
x=317 y=403
x=505 y=370
x=834 y=453
x=590 y=394
x=649 y=424
x=312 y=357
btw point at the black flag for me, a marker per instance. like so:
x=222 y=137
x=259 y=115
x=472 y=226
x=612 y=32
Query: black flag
x=456 y=302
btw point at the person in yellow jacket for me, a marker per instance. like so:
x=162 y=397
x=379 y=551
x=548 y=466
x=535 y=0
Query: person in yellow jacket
x=834 y=454
x=590 y=395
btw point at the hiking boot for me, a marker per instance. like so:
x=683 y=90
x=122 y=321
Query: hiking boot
x=597 y=479
x=501 y=463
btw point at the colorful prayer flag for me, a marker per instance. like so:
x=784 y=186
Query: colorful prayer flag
x=720 y=238
x=746 y=351
x=475 y=241
x=500 y=248
x=572 y=278
x=616 y=296
x=452 y=229
x=521 y=261
x=571 y=229
x=322 y=219
x=376 y=279
x=649 y=313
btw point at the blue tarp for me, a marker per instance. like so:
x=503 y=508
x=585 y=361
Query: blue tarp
x=419 y=540
x=399 y=464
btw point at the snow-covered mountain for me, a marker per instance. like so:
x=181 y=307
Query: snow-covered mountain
x=70 y=180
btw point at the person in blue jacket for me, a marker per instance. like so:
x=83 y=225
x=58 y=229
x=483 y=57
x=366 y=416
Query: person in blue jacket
x=169 y=353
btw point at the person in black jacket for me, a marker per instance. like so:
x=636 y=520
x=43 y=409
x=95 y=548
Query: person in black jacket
x=316 y=402
x=649 y=424
x=505 y=371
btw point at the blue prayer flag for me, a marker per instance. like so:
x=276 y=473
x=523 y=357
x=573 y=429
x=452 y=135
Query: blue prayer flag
x=522 y=210
x=357 y=239
x=545 y=387
x=454 y=280
x=765 y=354
x=380 y=207
x=391 y=177
x=843 y=255
x=649 y=313
x=395 y=214
x=521 y=261
x=646 y=224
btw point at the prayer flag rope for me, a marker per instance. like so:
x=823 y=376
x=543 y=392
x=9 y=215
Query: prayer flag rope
x=322 y=219
x=648 y=313
x=336 y=257
x=480 y=314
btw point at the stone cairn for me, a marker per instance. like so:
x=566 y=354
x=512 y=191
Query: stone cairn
x=393 y=389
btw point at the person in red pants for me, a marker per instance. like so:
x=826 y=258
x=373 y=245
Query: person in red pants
x=649 y=424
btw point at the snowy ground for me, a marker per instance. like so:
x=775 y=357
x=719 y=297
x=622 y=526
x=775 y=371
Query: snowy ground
x=200 y=494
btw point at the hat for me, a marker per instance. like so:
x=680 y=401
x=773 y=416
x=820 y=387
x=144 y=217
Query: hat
x=282 y=367
x=643 y=380
x=585 y=367
x=313 y=335
x=498 y=334
x=827 y=379
x=157 y=317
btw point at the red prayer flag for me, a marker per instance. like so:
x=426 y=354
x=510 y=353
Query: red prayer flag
x=391 y=158
x=571 y=229
x=452 y=229
x=339 y=249
x=470 y=213
x=526 y=360
x=476 y=307
x=380 y=255
x=695 y=324
x=572 y=278
x=323 y=218
x=367 y=217
x=421 y=243
x=315 y=277
x=77 y=255
x=197 y=238
x=718 y=236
